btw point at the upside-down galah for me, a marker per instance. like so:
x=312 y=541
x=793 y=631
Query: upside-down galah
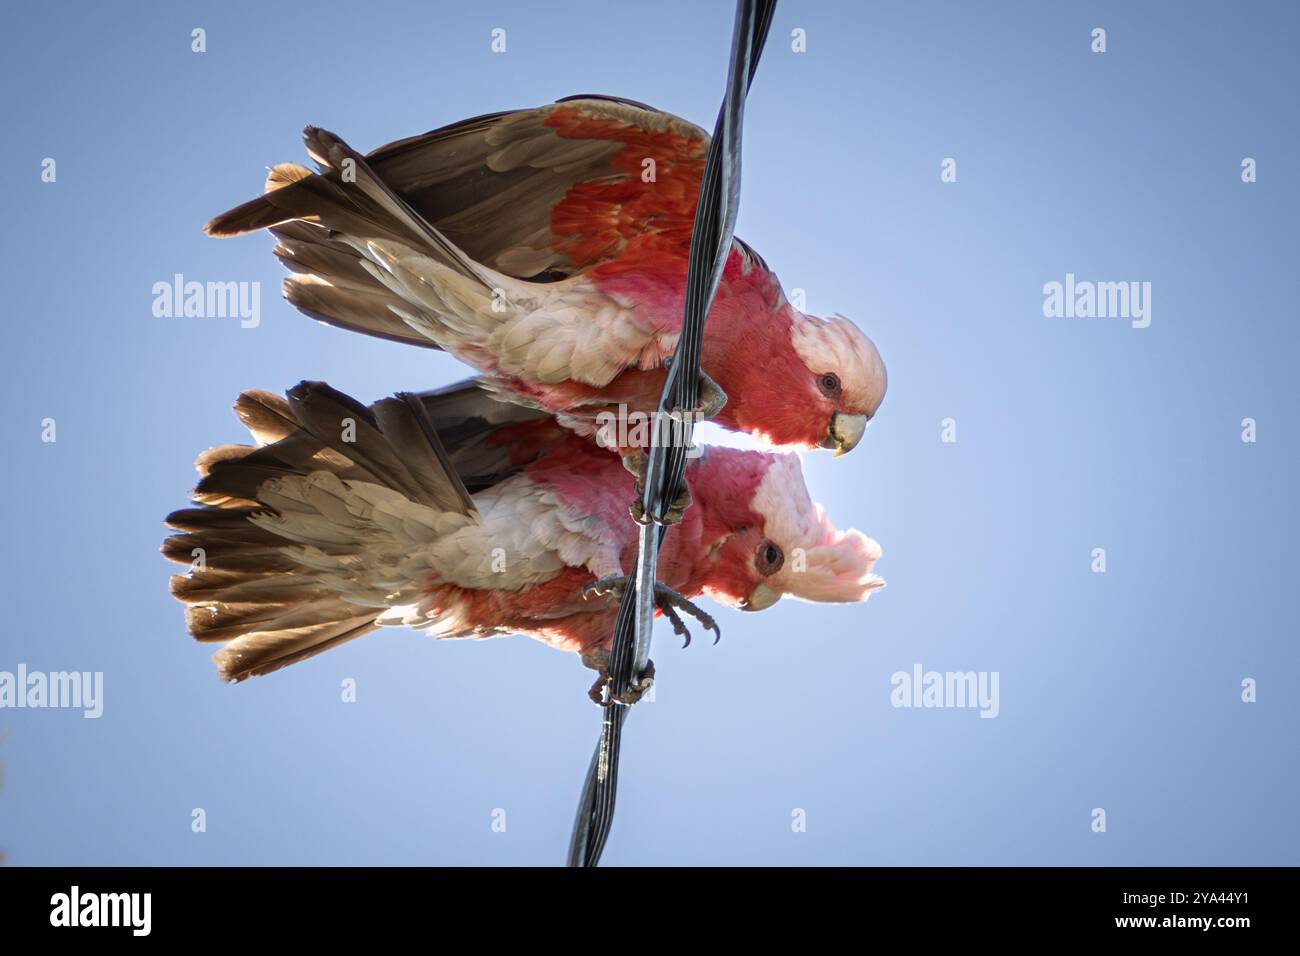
x=345 y=517
x=547 y=248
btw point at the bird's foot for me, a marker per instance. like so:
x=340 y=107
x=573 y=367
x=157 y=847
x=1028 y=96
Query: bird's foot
x=712 y=398
x=666 y=599
x=636 y=462
x=598 y=660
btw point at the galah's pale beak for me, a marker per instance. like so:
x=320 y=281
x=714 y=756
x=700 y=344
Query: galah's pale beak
x=845 y=432
x=761 y=598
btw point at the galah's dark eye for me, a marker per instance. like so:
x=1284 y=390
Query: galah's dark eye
x=770 y=557
x=829 y=383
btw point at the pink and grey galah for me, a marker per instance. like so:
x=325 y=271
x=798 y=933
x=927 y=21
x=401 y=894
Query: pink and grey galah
x=451 y=513
x=547 y=248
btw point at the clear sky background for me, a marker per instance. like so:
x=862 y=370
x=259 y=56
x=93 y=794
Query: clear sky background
x=1119 y=691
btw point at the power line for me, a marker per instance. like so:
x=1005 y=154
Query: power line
x=715 y=221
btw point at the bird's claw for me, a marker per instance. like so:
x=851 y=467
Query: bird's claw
x=712 y=399
x=636 y=463
x=598 y=660
x=614 y=584
x=666 y=599
x=673 y=514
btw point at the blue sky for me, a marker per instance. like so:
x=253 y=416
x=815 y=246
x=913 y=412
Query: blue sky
x=1120 y=691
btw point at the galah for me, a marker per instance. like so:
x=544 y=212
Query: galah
x=344 y=518
x=547 y=248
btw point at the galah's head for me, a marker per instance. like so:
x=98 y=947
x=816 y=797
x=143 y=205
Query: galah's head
x=817 y=386
x=769 y=539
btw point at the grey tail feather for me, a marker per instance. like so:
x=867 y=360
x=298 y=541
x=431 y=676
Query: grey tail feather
x=306 y=211
x=243 y=586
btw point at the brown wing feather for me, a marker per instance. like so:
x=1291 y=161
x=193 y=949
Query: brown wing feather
x=538 y=194
x=512 y=188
